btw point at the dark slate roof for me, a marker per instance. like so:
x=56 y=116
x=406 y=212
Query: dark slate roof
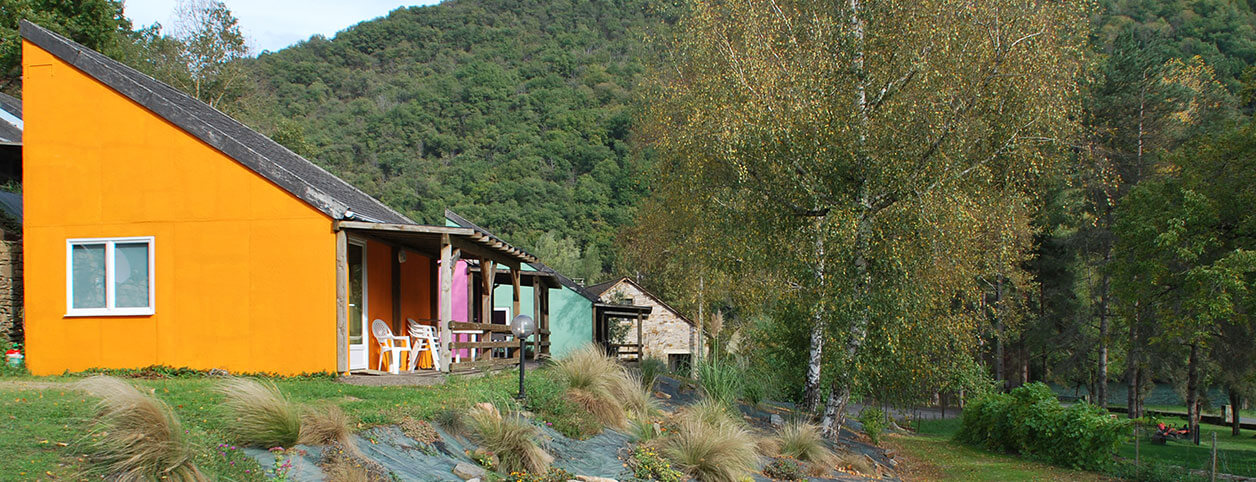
x=317 y=187
x=600 y=288
x=10 y=133
x=11 y=204
x=565 y=281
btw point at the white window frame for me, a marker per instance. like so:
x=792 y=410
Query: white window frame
x=110 y=309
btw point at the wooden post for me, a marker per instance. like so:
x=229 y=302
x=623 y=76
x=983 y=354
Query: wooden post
x=342 y=302
x=537 y=313
x=488 y=273
x=397 y=326
x=447 y=264
x=640 y=340
x=514 y=306
x=545 y=320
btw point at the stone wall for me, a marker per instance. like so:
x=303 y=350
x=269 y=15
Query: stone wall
x=10 y=290
x=664 y=332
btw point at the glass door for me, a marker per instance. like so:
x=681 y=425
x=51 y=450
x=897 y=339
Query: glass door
x=358 y=351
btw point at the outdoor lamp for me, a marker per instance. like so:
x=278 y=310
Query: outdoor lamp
x=522 y=326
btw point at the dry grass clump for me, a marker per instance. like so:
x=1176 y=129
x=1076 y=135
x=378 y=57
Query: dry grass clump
x=262 y=416
x=323 y=425
x=600 y=385
x=347 y=465
x=635 y=396
x=511 y=438
x=856 y=462
x=803 y=441
x=710 y=445
x=135 y=436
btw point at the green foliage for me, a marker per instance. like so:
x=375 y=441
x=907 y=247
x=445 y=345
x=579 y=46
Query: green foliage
x=97 y=24
x=1031 y=422
x=547 y=398
x=874 y=424
x=784 y=468
x=515 y=116
x=646 y=464
x=722 y=379
x=651 y=368
x=553 y=474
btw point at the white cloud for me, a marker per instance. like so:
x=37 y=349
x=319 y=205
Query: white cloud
x=275 y=24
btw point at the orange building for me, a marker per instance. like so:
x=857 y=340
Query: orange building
x=159 y=231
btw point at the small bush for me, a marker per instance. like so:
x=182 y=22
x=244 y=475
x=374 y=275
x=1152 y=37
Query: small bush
x=323 y=425
x=512 y=439
x=646 y=464
x=723 y=452
x=803 y=441
x=873 y=420
x=643 y=429
x=135 y=436
x=261 y=415
x=452 y=421
x=784 y=468
x=554 y=474
x=709 y=444
x=722 y=380
x=1030 y=421
x=651 y=369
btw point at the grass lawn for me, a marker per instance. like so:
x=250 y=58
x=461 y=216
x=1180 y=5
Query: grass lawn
x=44 y=418
x=931 y=454
x=1235 y=455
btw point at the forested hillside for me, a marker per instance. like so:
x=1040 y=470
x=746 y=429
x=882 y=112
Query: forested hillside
x=515 y=114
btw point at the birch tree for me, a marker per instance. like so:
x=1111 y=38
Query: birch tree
x=854 y=125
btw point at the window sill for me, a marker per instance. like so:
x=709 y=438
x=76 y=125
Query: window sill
x=110 y=313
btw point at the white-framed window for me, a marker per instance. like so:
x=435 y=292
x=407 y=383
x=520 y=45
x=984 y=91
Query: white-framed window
x=109 y=276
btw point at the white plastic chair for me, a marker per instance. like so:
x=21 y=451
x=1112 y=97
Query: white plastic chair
x=424 y=339
x=388 y=345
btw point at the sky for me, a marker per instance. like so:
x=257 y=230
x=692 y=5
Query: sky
x=275 y=24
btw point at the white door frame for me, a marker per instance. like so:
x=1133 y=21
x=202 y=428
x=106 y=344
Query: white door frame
x=360 y=353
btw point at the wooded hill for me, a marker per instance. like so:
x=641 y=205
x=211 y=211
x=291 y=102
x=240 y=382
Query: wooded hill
x=515 y=114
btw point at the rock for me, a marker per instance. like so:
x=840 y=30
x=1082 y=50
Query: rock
x=662 y=395
x=590 y=478
x=477 y=479
x=467 y=471
x=889 y=454
x=777 y=420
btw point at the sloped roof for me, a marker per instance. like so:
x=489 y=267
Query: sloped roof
x=305 y=180
x=601 y=289
x=10 y=133
x=539 y=266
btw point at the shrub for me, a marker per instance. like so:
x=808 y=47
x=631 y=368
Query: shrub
x=721 y=452
x=643 y=429
x=803 y=441
x=554 y=474
x=135 y=436
x=722 y=380
x=512 y=439
x=261 y=415
x=710 y=445
x=646 y=464
x=651 y=369
x=873 y=420
x=784 y=468
x=323 y=425
x=1030 y=421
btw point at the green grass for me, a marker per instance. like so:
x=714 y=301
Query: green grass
x=1235 y=455
x=43 y=420
x=933 y=455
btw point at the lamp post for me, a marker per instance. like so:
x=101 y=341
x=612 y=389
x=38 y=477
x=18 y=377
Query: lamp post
x=522 y=326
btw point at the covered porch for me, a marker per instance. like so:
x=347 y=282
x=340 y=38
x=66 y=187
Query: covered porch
x=405 y=276
x=628 y=345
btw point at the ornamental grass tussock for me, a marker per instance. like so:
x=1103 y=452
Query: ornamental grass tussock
x=802 y=441
x=512 y=439
x=136 y=436
x=601 y=386
x=261 y=416
x=709 y=444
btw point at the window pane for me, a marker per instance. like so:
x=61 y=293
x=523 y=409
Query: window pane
x=87 y=270
x=130 y=275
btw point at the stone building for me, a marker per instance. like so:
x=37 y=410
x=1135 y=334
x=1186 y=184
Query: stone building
x=10 y=220
x=665 y=334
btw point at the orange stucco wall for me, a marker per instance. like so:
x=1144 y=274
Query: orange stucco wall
x=245 y=272
x=416 y=296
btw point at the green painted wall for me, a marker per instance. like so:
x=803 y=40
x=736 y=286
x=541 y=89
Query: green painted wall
x=571 y=315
